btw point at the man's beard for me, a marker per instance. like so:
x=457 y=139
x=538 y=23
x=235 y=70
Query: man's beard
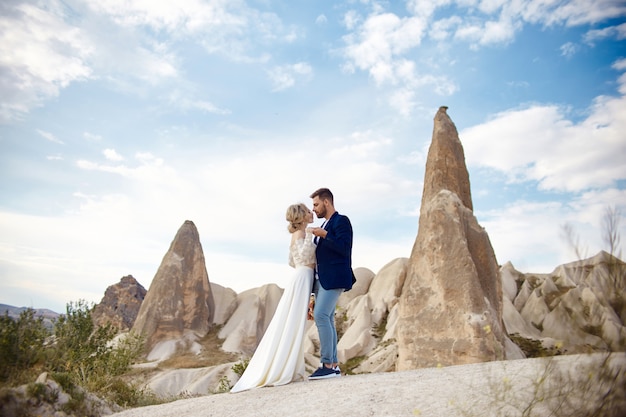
x=321 y=214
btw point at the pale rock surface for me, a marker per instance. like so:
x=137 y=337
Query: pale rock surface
x=564 y=385
x=179 y=301
x=367 y=319
x=535 y=309
x=509 y=277
x=515 y=323
x=52 y=400
x=225 y=300
x=246 y=326
x=364 y=277
x=195 y=381
x=451 y=305
x=357 y=339
x=576 y=308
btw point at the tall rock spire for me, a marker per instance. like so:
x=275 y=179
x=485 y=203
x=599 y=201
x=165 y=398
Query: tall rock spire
x=445 y=166
x=179 y=301
x=451 y=304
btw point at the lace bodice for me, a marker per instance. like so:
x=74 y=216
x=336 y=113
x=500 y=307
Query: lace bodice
x=302 y=251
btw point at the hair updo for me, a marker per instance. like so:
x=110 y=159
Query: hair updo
x=296 y=216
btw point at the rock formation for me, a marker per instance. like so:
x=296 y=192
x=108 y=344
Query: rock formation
x=120 y=304
x=179 y=305
x=578 y=308
x=450 y=310
x=371 y=320
x=225 y=303
x=51 y=399
x=246 y=326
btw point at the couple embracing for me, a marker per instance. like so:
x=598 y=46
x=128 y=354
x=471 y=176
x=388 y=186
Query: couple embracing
x=322 y=258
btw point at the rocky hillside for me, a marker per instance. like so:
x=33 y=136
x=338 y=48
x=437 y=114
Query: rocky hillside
x=120 y=304
x=578 y=308
x=48 y=316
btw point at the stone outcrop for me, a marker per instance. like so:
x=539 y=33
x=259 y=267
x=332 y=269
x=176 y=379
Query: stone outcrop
x=120 y=304
x=179 y=305
x=51 y=400
x=247 y=324
x=578 y=308
x=450 y=310
x=225 y=303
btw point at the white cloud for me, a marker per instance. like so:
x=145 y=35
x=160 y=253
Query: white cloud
x=579 y=12
x=426 y=9
x=620 y=65
x=403 y=100
x=568 y=49
x=49 y=136
x=618 y=32
x=530 y=234
x=443 y=29
x=39 y=55
x=284 y=76
x=490 y=32
x=229 y=28
x=92 y=137
x=351 y=19
x=186 y=101
x=379 y=41
x=540 y=144
x=112 y=155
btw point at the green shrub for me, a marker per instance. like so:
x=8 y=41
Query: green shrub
x=224 y=385
x=21 y=345
x=86 y=355
x=240 y=367
x=534 y=348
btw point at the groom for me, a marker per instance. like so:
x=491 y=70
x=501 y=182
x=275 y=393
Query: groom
x=334 y=276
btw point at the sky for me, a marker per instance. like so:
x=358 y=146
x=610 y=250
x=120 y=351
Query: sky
x=122 y=119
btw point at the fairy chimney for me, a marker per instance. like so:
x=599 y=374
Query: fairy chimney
x=179 y=301
x=450 y=309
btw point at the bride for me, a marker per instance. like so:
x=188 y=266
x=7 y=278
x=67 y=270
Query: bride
x=279 y=358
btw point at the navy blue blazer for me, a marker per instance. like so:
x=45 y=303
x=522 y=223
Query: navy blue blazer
x=334 y=254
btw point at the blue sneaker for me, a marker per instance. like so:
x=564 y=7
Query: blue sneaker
x=324 y=373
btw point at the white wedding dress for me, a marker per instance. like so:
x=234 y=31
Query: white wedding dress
x=279 y=358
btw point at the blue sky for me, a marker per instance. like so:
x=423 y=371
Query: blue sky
x=121 y=119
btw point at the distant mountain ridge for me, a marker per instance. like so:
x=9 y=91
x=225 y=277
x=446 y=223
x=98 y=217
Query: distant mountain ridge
x=49 y=316
x=16 y=311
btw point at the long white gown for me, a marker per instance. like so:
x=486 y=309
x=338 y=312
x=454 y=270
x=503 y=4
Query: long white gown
x=279 y=358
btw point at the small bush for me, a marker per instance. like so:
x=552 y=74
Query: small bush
x=240 y=367
x=533 y=348
x=224 y=385
x=21 y=346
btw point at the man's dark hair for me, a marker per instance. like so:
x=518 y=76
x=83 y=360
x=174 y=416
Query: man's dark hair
x=323 y=194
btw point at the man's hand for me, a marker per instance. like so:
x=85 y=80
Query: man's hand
x=318 y=231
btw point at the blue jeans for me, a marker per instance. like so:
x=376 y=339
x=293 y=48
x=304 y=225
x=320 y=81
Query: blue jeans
x=324 y=315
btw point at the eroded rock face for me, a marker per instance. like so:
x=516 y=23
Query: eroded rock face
x=450 y=310
x=578 y=308
x=249 y=320
x=180 y=301
x=120 y=304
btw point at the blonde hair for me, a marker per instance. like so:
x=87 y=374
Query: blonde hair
x=296 y=216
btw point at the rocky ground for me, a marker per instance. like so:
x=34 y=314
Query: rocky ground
x=573 y=385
